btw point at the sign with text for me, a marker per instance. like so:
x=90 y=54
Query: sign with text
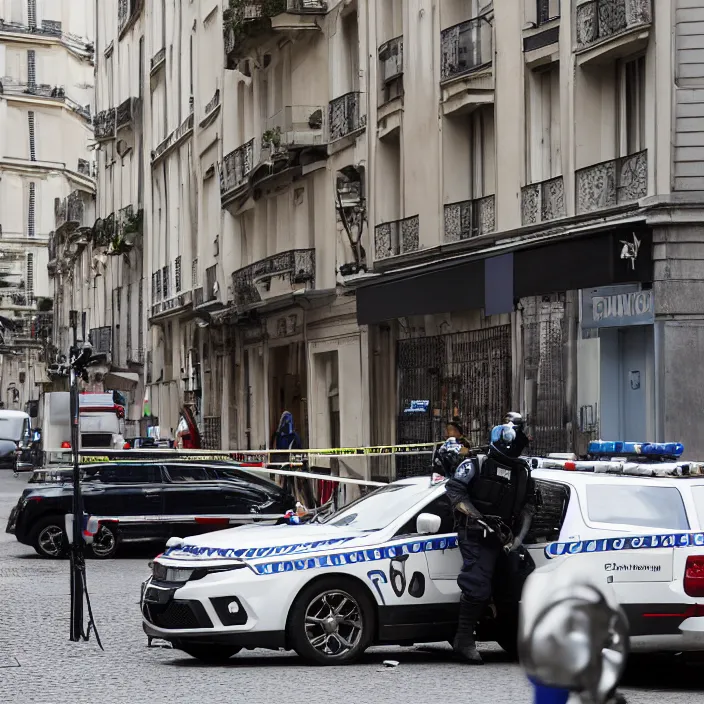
x=617 y=306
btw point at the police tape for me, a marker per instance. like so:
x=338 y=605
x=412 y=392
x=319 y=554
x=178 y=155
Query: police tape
x=635 y=542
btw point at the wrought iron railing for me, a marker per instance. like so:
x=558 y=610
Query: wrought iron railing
x=307 y=6
x=44 y=90
x=543 y=201
x=296 y=264
x=213 y=103
x=158 y=58
x=391 y=57
x=104 y=124
x=470 y=218
x=236 y=167
x=345 y=115
x=70 y=210
x=466 y=47
x=127 y=114
x=396 y=237
x=246 y=19
x=51 y=29
x=597 y=20
x=546 y=11
x=612 y=183
x=173 y=137
x=101 y=339
x=126 y=11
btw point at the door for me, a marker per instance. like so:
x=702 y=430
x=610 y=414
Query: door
x=633 y=407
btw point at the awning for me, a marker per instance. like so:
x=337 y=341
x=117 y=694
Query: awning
x=121 y=381
x=618 y=255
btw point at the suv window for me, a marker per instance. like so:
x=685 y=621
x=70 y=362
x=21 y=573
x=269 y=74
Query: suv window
x=186 y=473
x=124 y=474
x=550 y=514
x=698 y=495
x=440 y=507
x=633 y=505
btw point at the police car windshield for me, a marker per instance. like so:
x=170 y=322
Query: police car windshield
x=380 y=508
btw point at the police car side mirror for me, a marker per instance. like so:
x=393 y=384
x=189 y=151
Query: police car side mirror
x=428 y=523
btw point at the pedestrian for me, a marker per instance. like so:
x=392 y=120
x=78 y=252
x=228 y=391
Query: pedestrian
x=491 y=495
x=454 y=430
x=286 y=437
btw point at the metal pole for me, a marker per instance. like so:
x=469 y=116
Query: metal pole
x=77 y=556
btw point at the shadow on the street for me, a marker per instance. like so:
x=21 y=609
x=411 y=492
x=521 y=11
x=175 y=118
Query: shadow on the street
x=664 y=673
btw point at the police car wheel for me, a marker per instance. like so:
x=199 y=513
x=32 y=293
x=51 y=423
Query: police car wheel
x=49 y=538
x=211 y=654
x=331 y=622
x=105 y=543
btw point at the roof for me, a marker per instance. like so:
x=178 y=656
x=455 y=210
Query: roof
x=583 y=478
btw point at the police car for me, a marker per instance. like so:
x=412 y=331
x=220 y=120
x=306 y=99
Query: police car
x=383 y=570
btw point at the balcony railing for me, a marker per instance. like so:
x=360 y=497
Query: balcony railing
x=543 y=201
x=244 y=21
x=466 y=47
x=158 y=59
x=598 y=20
x=344 y=115
x=127 y=11
x=612 y=183
x=101 y=339
x=470 y=218
x=312 y=7
x=546 y=11
x=44 y=90
x=391 y=57
x=128 y=113
x=51 y=29
x=214 y=102
x=70 y=210
x=298 y=265
x=396 y=237
x=236 y=167
x=104 y=124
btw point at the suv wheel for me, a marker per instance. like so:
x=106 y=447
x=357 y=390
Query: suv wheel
x=105 y=542
x=211 y=654
x=331 y=622
x=49 y=538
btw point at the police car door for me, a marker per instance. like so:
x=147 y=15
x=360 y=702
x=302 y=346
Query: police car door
x=444 y=565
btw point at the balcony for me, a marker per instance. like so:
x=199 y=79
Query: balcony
x=612 y=183
x=101 y=339
x=299 y=15
x=43 y=91
x=391 y=58
x=467 y=219
x=69 y=212
x=128 y=114
x=211 y=108
x=236 y=167
x=275 y=276
x=543 y=201
x=246 y=23
x=128 y=227
x=127 y=14
x=396 y=237
x=296 y=126
x=104 y=124
x=104 y=231
x=609 y=29
x=157 y=61
x=50 y=29
x=345 y=116
x=466 y=47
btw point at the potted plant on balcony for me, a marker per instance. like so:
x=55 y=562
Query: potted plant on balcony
x=126 y=236
x=271 y=142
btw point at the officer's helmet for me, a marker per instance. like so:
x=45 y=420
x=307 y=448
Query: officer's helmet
x=502 y=440
x=448 y=457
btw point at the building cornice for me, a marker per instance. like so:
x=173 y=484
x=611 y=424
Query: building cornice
x=25 y=166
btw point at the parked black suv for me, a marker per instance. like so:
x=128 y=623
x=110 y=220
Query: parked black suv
x=142 y=501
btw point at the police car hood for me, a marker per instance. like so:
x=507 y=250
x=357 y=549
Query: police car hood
x=251 y=543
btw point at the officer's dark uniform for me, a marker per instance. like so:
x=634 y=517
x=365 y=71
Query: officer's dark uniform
x=490 y=493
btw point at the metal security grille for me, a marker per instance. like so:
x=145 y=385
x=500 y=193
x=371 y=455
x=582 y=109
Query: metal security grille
x=32 y=13
x=177 y=273
x=31 y=230
x=465 y=375
x=31 y=68
x=29 y=281
x=32 y=142
x=544 y=338
x=211 y=433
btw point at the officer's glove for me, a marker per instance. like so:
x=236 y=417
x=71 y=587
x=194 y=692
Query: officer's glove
x=517 y=542
x=468 y=510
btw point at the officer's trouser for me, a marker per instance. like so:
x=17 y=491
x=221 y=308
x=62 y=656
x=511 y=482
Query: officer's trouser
x=479 y=556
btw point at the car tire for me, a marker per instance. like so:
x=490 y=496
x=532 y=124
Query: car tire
x=208 y=653
x=105 y=542
x=49 y=538
x=332 y=622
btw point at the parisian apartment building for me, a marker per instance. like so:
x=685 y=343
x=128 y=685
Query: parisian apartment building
x=377 y=215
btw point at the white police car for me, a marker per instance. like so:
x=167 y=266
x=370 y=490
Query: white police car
x=383 y=570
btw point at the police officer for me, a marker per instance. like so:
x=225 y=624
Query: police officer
x=492 y=495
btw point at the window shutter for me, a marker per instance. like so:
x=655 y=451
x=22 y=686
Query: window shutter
x=31 y=231
x=32 y=143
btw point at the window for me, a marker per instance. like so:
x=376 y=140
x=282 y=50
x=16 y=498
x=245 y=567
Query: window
x=165 y=281
x=32 y=143
x=124 y=474
x=177 y=275
x=544 y=124
x=546 y=10
x=698 y=495
x=632 y=106
x=31 y=205
x=31 y=68
x=633 y=505
x=547 y=522
x=439 y=507
x=141 y=67
x=186 y=473
x=481 y=139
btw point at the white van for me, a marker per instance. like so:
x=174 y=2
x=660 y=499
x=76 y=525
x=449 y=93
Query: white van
x=14 y=437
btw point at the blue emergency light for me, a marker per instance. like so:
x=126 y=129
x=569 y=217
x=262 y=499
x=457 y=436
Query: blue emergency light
x=614 y=448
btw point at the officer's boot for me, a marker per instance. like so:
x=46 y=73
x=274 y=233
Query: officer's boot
x=464 y=645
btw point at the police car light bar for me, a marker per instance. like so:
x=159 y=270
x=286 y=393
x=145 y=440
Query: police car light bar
x=636 y=469
x=619 y=448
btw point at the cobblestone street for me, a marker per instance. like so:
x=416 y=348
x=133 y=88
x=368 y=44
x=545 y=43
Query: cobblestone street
x=39 y=664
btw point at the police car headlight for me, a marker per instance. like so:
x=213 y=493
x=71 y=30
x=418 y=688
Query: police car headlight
x=162 y=573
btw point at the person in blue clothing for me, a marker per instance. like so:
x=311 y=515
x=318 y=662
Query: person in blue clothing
x=286 y=437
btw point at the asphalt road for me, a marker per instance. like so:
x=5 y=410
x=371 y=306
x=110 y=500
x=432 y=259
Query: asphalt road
x=39 y=664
